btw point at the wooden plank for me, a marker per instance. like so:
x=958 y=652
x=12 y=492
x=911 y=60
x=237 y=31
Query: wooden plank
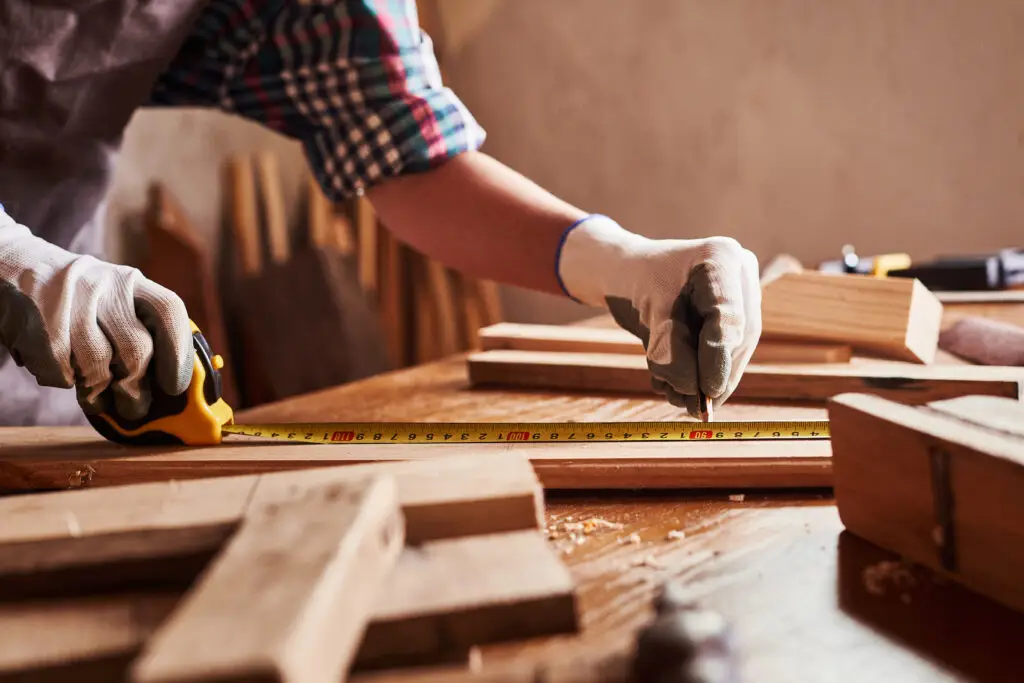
x=448 y=596
x=367 y=234
x=585 y=339
x=82 y=639
x=942 y=486
x=622 y=373
x=24 y=465
x=295 y=611
x=274 y=214
x=442 y=497
x=895 y=317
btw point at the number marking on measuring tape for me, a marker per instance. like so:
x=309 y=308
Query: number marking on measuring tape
x=531 y=432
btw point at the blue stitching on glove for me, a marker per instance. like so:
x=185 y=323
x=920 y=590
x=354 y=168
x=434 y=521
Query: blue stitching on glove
x=558 y=252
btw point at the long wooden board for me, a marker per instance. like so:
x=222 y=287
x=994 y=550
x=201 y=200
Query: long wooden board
x=585 y=339
x=43 y=458
x=940 y=485
x=442 y=497
x=896 y=317
x=624 y=373
x=271 y=609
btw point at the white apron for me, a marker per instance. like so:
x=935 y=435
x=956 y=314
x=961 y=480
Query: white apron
x=72 y=73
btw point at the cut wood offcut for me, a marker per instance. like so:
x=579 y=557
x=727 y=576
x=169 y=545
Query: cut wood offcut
x=622 y=373
x=298 y=559
x=892 y=317
x=941 y=485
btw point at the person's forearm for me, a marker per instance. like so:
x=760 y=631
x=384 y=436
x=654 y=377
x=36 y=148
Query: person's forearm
x=476 y=215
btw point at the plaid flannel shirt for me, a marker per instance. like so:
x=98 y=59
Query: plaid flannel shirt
x=355 y=81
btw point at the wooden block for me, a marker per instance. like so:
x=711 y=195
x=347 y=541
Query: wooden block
x=941 y=485
x=586 y=339
x=442 y=497
x=895 y=317
x=289 y=597
x=448 y=596
x=629 y=374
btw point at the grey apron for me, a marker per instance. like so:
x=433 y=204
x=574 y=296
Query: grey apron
x=72 y=73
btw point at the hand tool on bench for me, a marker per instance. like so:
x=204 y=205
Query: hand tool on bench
x=200 y=416
x=1002 y=270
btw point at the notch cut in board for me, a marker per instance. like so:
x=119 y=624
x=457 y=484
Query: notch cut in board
x=471 y=605
x=941 y=485
x=622 y=373
x=35 y=458
x=579 y=339
x=894 y=317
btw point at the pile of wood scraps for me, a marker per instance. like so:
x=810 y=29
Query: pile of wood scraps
x=400 y=564
x=823 y=335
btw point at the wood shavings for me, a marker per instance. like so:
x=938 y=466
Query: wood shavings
x=676 y=535
x=888 y=572
x=571 y=533
x=633 y=538
x=81 y=477
x=737 y=497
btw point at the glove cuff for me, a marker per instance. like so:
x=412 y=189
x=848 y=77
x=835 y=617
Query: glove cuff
x=590 y=256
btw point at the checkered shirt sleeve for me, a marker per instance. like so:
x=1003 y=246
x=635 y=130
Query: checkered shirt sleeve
x=356 y=82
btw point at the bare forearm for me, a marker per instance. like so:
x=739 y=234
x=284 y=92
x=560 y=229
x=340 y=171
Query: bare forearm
x=477 y=215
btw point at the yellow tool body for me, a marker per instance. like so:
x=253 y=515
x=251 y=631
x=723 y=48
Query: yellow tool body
x=201 y=417
x=195 y=418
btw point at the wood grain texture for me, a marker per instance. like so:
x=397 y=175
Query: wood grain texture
x=778 y=565
x=269 y=608
x=274 y=214
x=628 y=374
x=448 y=596
x=558 y=466
x=445 y=497
x=891 y=316
x=587 y=339
x=943 y=487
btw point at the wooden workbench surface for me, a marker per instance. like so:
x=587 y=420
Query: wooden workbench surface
x=778 y=565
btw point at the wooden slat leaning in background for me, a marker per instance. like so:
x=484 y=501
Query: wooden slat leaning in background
x=623 y=373
x=940 y=485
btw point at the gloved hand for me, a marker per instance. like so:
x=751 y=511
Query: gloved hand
x=75 y=321
x=661 y=291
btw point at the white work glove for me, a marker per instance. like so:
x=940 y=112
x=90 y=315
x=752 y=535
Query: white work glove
x=74 y=321
x=652 y=287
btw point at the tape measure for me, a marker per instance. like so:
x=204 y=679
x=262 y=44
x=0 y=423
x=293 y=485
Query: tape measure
x=530 y=432
x=200 y=417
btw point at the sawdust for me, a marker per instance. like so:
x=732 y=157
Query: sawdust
x=81 y=477
x=633 y=538
x=737 y=497
x=676 y=535
x=570 y=534
x=648 y=561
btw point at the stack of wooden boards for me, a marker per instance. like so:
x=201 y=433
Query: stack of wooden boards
x=292 y=576
x=823 y=334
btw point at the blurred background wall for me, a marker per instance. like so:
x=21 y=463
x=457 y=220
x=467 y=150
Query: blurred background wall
x=793 y=125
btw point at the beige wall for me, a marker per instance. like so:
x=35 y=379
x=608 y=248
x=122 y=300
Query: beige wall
x=793 y=125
